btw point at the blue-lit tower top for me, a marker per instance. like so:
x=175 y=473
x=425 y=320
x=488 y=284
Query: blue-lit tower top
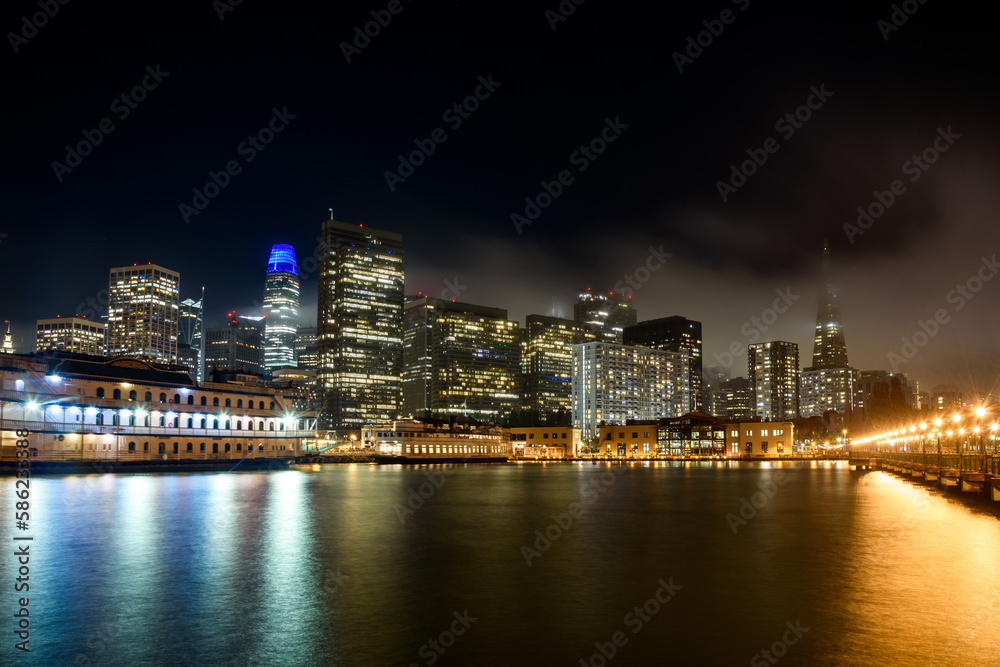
x=281 y=307
x=282 y=259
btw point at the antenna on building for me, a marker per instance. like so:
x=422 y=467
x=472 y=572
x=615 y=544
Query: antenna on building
x=331 y=214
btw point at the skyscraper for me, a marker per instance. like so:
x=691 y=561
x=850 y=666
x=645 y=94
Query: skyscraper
x=305 y=348
x=674 y=334
x=547 y=362
x=613 y=383
x=281 y=307
x=237 y=348
x=459 y=359
x=829 y=348
x=359 y=333
x=72 y=334
x=143 y=313
x=603 y=316
x=830 y=383
x=774 y=379
x=191 y=329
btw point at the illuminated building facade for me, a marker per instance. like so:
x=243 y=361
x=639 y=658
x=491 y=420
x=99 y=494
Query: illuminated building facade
x=459 y=359
x=281 y=307
x=547 y=362
x=144 y=313
x=93 y=408
x=603 y=317
x=760 y=440
x=191 y=332
x=306 y=355
x=359 y=333
x=824 y=389
x=71 y=334
x=614 y=383
x=735 y=399
x=238 y=348
x=774 y=377
x=674 y=334
x=544 y=442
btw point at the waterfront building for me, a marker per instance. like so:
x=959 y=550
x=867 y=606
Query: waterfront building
x=191 y=335
x=144 y=313
x=360 y=327
x=774 y=378
x=603 y=317
x=614 y=383
x=633 y=439
x=459 y=359
x=696 y=434
x=281 y=307
x=70 y=334
x=428 y=439
x=237 y=348
x=760 y=440
x=674 y=334
x=544 y=442
x=93 y=408
x=547 y=363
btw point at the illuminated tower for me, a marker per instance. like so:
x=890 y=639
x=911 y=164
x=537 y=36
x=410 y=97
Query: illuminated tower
x=829 y=348
x=144 y=313
x=191 y=328
x=359 y=332
x=281 y=307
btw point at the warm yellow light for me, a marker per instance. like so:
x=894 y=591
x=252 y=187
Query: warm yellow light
x=980 y=411
x=923 y=426
x=937 y=422
x=956 y=417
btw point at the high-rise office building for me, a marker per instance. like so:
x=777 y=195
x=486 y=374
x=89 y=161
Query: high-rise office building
x=306 y=355
x=734 y=399
x=547 y=363
x=886 y=396
x=774 y=377
x=281 y=307
x=603 y=317
x=191 y=331
x=359 y=333
x=613 y=383
x=72 y=334
x=674 y=334
x=237 y=348
x=459 y=359
x=144 y=313
x=830 y=383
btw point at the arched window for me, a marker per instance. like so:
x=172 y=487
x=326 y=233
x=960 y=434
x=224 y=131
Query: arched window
x=202 y=423
x=190 y=446
x=270 y=426
x=228 y=424
x=261 y=448
x=190 y=422
x=250 y=404
x=99 y=418
x=239 y=403
x=204 y=400
x=191 y=399
x=131 y=420
x=163 y=397
x=100 y=392
x=272 y=405
x=146 y=420
x=175 y=447
x=227 y=446
x=163 y=448
x=145 y=446
x=239 y=425
x=260 y=426
x=131 y=446
x=18 y=385
x=229 y=403
x=163 y=421
x=132 y=395
x=239 y=447
x=215 y=402
x=114 y=419
x=215 y=423
x=177 y=398
x=281 y=426
x=149 y=397
x=201 y=447
x=117 y=394
x=215 y=448
x=250 y=424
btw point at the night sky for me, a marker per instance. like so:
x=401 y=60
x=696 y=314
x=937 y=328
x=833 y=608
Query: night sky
x=552 y=92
